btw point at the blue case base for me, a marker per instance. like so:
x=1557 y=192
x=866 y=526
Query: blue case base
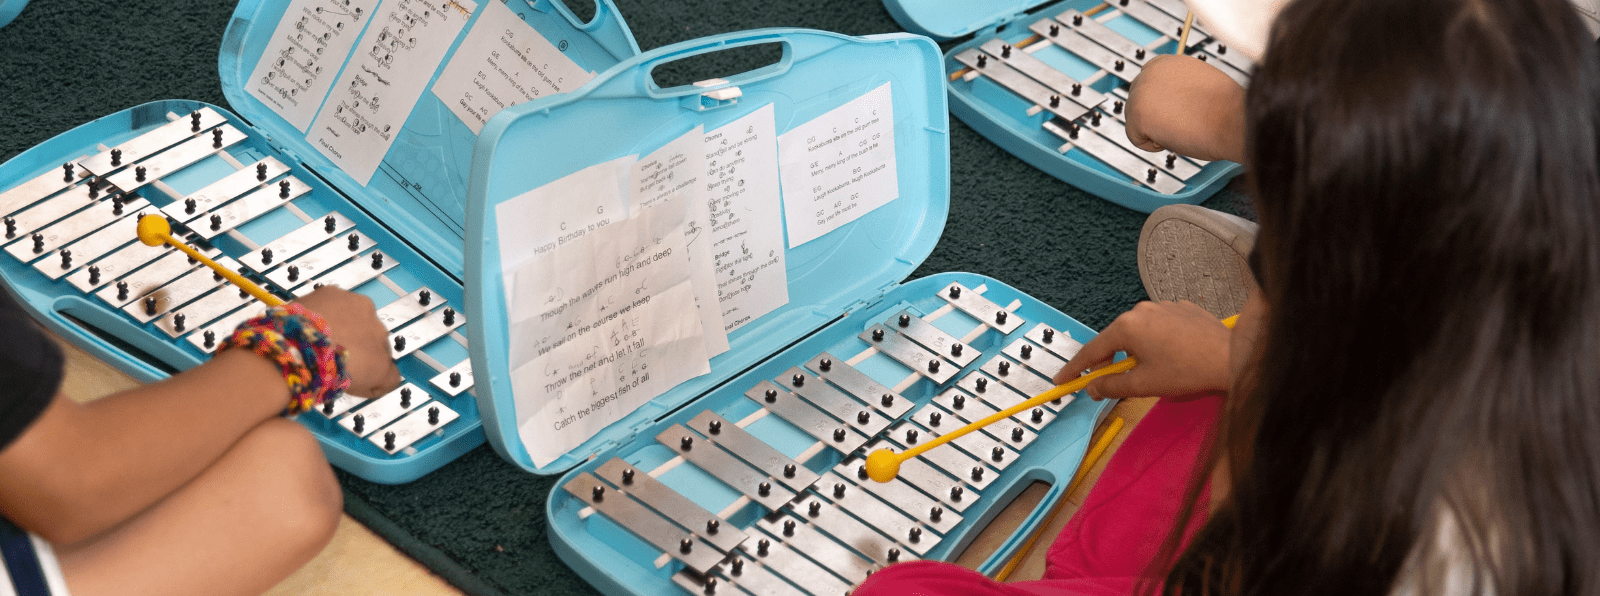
x=619 y=563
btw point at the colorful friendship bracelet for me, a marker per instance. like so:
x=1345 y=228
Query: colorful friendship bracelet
x=297 y=341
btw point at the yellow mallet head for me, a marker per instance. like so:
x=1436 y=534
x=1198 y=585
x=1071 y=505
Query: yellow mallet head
x=154 y=230
x=883 y=465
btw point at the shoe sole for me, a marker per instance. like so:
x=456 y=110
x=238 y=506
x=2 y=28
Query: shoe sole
x=1187 y=252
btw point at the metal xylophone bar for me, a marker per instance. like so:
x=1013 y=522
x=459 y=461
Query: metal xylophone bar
x=1030 y=73
x=1096 y=43
x=1109 y=124
x=76 y=224
x=1165 y=16
x=1018 y=434
x=1159 y=19
x=824 y=532
x=978 y=479
x=1113 y=150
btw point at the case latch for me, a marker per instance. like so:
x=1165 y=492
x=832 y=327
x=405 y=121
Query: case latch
x=716 y=98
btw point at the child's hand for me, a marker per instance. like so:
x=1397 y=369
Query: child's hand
x=1188 y=107
x=353 y=323
x=1182 y=349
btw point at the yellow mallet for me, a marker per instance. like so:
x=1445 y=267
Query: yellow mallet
x=883 y=465
x=1183 y=36
x=155 y=231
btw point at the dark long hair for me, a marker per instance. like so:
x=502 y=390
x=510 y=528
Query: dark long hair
x=1422 y=413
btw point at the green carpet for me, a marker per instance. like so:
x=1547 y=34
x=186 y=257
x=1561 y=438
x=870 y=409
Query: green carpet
x=478 y=522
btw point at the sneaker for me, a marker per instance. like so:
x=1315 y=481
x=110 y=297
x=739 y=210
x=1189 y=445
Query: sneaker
x=1188 y=252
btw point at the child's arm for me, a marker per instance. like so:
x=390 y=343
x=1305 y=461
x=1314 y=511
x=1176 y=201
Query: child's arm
x=1182 y=350
x=1183 y=105
x=81 y=468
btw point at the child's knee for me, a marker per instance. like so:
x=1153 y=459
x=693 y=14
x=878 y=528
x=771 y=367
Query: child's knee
x=301 y=495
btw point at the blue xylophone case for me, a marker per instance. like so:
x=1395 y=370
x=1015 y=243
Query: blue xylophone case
x=840 y=285
x=1016 y=124
x=412 y=211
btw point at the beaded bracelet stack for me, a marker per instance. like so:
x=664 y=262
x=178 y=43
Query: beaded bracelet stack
x=297 y=341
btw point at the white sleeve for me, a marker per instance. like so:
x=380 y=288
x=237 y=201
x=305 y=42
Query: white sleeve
x=1244 y=24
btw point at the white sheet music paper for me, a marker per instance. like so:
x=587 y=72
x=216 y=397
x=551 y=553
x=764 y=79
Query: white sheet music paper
x=674 y=171
x=391 y=68
x=503 y=62
x=745 y=222
x=839 y=166
x=602 y=325
x=304 y=54
x=538 y=221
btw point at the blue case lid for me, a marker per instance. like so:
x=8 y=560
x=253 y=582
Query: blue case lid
x=827 y=277
x=420 y=189
x=949 y=19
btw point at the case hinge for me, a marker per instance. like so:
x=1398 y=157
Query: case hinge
x=641 y=427
x=280 y=149
x=610 y=446
x=866 y=303
x=285 y=154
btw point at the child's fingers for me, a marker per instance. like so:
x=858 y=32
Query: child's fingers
x=1068 y=373
x=1118 y=385
x=1137 y=136
x=1095 y=354
x=388 y=381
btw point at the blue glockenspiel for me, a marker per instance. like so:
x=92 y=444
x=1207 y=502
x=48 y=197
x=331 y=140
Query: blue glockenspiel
x=747 y=480
x=250 y=190
x=1050 y=86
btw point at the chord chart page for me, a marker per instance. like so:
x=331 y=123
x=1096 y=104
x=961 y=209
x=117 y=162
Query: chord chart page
x=746 y=226
x=671 y=172
x=839 y=166
x=503 y=62
x=304 y=54
x=617 y=327
x=379 y=88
